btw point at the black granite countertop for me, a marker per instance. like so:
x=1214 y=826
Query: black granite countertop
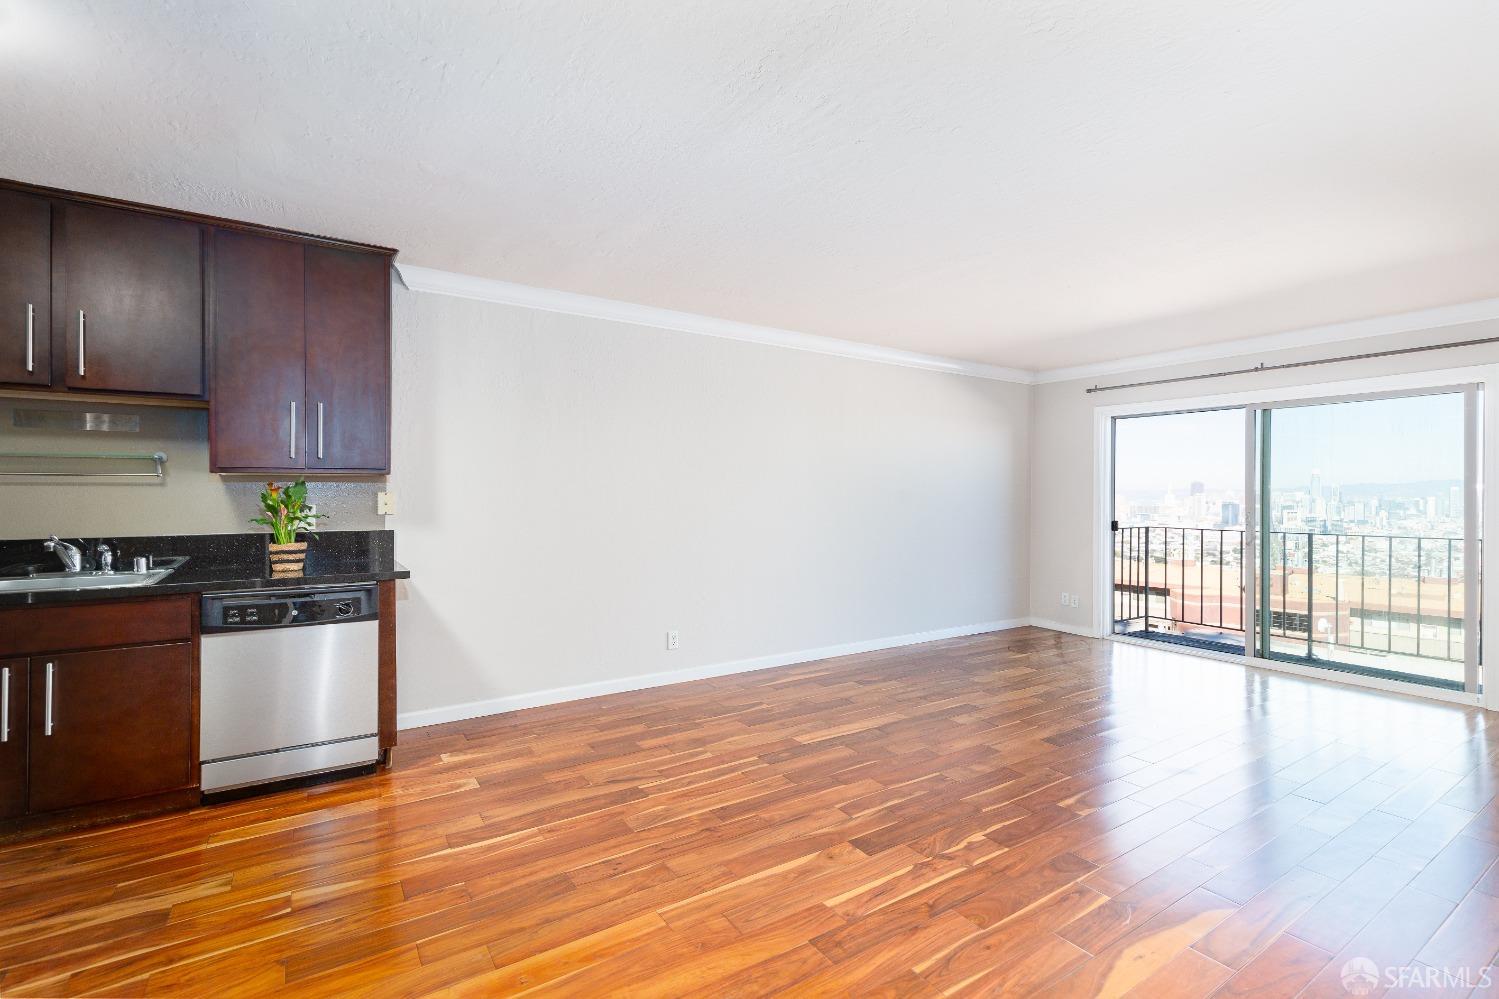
x=215 y=563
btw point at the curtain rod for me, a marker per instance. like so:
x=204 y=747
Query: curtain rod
x=1295 y=364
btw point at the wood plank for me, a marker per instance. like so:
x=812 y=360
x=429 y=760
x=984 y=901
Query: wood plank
x=1146 y=949
x=1240 y=937
x=1390 y=940
x=1468 y=939
x=1003 y=813
x=1188 y=975
x=1347 y=908
x=1282 y=969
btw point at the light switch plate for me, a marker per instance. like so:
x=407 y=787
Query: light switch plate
x=385 y=503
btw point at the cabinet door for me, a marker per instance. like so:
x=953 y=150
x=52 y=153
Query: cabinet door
x=348 y=360
x=132 y=318
x=257 y=414
x=12 y=738
x=25 y=289
x=110 y=725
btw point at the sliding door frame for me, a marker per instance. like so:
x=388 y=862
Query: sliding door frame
x=1470 y=381
x=1259 y=431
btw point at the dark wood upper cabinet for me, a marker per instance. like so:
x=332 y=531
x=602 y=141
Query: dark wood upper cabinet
x=13 y=706
x=348 y=360
x=257 y=419
x=120 y=725
x=285 y=334
x=25 y=289
x=301 y=357
x=132 y=315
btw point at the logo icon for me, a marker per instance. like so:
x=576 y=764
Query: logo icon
x=1360 y=976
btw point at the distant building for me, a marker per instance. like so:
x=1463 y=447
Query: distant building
x=1231 y=513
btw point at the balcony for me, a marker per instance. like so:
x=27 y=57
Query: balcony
x=1384 y=606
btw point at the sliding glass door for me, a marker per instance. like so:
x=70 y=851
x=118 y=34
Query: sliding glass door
x=1365 y=515
x=1338 y=533
x=1178 y=529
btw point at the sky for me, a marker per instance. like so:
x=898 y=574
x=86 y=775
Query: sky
x=1413 y=439
x=1156 y=452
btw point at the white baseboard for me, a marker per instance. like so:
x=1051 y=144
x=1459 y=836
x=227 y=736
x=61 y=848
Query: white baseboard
x=556 y=695
x=1070 y=629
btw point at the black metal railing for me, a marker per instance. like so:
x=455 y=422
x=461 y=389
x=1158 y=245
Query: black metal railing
x=1143 y=572
x=1400 y=594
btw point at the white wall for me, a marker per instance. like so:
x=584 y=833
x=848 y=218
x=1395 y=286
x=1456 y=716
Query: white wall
x=569 y=489
x=1062 y=471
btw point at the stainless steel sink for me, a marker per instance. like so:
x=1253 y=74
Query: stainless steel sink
x=162 y=568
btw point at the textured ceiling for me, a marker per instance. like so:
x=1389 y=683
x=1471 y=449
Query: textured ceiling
x=1021 y=183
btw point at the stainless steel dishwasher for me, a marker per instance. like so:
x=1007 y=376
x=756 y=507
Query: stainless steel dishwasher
x=290 y=684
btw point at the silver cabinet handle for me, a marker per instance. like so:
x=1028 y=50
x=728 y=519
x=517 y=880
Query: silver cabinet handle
x=320 y=431
x=5 y=704
x=291 y=437
x=81 y=345
x=47 y=721
x=30 y=337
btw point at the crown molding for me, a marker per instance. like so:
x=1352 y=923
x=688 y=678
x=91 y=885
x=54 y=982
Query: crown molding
x=438 y=282
x=1358 y=329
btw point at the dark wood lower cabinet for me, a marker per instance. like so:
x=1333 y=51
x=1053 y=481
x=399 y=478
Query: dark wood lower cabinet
x=12 y=738
x=40 y=631
x=100 y=716
x=110 y=725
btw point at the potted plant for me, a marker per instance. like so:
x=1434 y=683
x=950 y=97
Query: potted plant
x=287 y=515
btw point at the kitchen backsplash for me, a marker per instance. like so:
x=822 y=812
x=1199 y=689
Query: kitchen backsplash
x=189 y=500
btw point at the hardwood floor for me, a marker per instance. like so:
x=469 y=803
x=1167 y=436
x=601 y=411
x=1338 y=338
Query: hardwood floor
x=1004 y=814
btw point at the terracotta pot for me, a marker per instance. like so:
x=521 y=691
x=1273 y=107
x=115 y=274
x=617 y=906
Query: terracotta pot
x=289 y=559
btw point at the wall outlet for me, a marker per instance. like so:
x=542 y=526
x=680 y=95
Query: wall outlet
x=1074 y=601
x=1066 y=599
x=672 y=640
x=385 y=503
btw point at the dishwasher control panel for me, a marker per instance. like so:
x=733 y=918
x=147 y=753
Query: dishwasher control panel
x=288 y=609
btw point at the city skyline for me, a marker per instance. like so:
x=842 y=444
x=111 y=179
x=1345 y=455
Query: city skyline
x=1330 y=468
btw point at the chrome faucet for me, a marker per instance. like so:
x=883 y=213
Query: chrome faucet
x=104 y=556
x=71 y=555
